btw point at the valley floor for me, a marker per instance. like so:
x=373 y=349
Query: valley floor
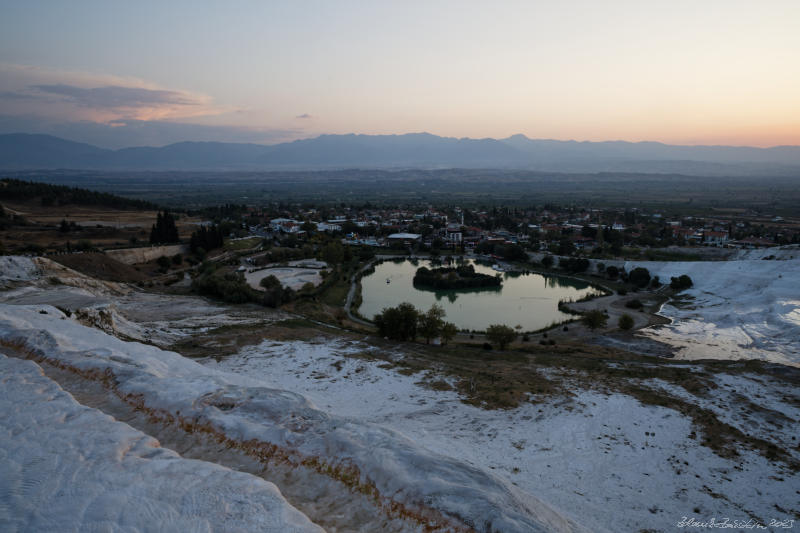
x=633 y=447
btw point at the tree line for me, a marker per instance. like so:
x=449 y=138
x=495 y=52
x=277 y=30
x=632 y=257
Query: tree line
x=405 y=322
x=56 y=195
x=206 y=238
x=164 y=231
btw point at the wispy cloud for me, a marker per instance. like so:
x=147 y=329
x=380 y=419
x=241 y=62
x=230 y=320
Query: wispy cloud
x=116 y=97
x=103 y=98
x=115 y=112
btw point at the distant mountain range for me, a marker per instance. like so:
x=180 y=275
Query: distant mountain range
x=20 y=151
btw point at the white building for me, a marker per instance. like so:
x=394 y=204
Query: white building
x=454 y=234
x=276 y=224
x=327 y=226
x=407 y=237
x=715 y=237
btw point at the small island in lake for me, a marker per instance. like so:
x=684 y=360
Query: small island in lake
x=448 y=278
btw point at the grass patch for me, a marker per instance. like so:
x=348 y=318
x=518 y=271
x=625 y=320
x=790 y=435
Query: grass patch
x=294 y=323
x=242 y=244
x=666 y=255
x=439 y=385
x=336 y=294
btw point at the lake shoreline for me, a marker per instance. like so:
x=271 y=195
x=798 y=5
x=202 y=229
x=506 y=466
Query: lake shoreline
x=527 y=299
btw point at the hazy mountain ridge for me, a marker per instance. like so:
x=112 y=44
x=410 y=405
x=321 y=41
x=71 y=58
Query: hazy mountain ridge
x=413 y=150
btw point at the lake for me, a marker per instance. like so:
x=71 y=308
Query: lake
x=528 y=300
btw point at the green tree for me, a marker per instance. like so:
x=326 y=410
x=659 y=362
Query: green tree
x=640 y=277
x=625 y=322
x=309 y=227
x=275 y=294
x=333 y=253
x=513 y=252
x=348 y=226
x=594 y=319
x=574 y=264
x=231 y=287
x=501 y=335
x=431 y=323
x=206 y=238
x=270 y=282
x=565 y=246
x=449 y=331
x=398 y=323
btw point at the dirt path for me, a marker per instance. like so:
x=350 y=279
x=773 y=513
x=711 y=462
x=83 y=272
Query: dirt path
x=351 y=294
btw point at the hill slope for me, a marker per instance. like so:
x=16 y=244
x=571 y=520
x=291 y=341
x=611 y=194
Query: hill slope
x=413 y=150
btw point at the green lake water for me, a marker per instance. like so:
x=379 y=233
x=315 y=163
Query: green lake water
x=528 y=300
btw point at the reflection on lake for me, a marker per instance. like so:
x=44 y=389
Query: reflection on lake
x=529 y=300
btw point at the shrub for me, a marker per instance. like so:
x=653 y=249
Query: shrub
x=340 y=315
x=595 y=319
x=640 y=277
x=230 y=288
x=308 y=287
x=634 y=304
x=574 y=264
x=680 y=283
x=277 y=296
x=501 y=335
x=487 y=346
x=622 y=291
x=612 y=272
x=163 y=263
x=625 y=322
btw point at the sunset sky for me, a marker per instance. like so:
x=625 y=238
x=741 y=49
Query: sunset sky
x=132 y=73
